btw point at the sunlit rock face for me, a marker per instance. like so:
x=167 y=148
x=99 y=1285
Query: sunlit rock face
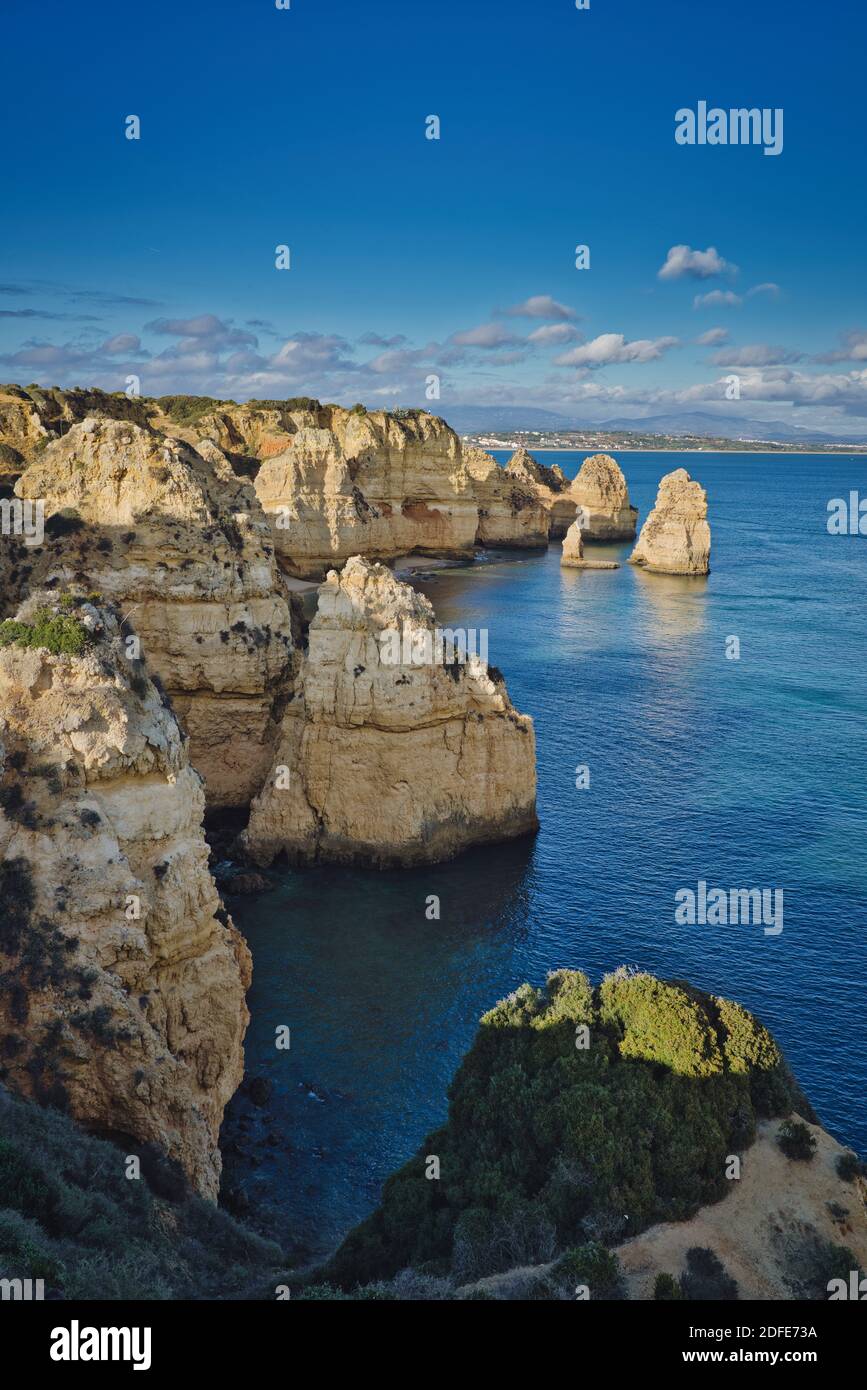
x=389 y=755
x=675 y=538
x=550 y=486
x=375 y=484
x=123 y=978
x=181 y=543
x=602 y=498
x=511 y=512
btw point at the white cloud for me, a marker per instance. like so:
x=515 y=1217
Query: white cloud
x=551 y=334
x=609 y=348
x=714 y=298
x=698 y=265
x=485 y=335
x=712 y=337
x=755 y=355
x=854 y=348
x=541 y=306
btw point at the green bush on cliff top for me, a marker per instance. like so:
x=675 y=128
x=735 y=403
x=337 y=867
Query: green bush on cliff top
x=58 y=633
x=553 y=1142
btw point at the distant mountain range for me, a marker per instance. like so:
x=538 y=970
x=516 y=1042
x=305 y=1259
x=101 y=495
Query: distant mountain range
x=479 y=419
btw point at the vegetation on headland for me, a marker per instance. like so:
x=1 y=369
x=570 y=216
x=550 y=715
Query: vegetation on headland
x=70 y=1215
x=579 y=1117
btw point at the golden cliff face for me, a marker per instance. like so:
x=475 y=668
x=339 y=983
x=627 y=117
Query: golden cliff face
x=373 y=483
x=180 y=542
x=549 y=485
x=387 y=755
x=510 y=510
x=124 y=980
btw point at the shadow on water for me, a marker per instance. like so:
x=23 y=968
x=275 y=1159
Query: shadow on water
x=382 y=999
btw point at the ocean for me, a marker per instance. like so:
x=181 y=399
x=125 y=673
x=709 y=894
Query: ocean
x=746 y=773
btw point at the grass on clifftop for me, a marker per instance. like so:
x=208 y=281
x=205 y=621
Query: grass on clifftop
x=579 y=1115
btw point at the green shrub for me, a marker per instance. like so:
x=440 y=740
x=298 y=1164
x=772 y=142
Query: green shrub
x=57 y=633
x=591 y=1265
x=705 y=1278
x=796 y=1141
x=849 y=1167
x=666 y=1289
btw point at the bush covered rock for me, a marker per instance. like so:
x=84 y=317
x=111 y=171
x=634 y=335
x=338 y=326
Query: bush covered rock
x=579 y=1115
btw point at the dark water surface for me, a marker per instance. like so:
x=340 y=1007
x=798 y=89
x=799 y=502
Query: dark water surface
x=745 y=773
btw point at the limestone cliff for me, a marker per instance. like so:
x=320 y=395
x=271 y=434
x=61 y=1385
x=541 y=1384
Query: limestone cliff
x=30 y=417
x=573 y=556
x=390 y=754
x=377 y=484
x=123 y=979
x=549 y=485
x=675 y=538
x=510 y=511
x=175 y=537
x=600 y=493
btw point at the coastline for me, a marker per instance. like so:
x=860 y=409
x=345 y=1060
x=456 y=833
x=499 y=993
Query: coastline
x=780 y=453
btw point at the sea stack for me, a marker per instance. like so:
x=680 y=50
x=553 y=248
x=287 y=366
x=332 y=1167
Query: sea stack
x=124 y=978
x=675 y=538
x=600 y=493
x=397 y=749
x=573 y=552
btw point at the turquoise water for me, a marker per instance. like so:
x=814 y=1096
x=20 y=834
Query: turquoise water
x=746 y=773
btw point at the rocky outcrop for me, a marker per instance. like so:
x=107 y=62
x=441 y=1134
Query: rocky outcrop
x=584 y=1067
x=176 y=538
x=573 y=556
x=675 y=538
x=374 y=484
x=602 y=498
x=30 y=417
x=394 y=750
x=549 y=485
x=510 y=511
x=123 y=978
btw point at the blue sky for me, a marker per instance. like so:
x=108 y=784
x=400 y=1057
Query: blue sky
x=306 y=127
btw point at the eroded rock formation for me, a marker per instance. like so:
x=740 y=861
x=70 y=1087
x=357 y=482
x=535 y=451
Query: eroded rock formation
x=573 y=552
x=549 y=485
x=374 y=484
x=675 y=538
x=510 y=511
x=173 y=535
x=387 y=755
x=123 y=979
x=600 y=493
